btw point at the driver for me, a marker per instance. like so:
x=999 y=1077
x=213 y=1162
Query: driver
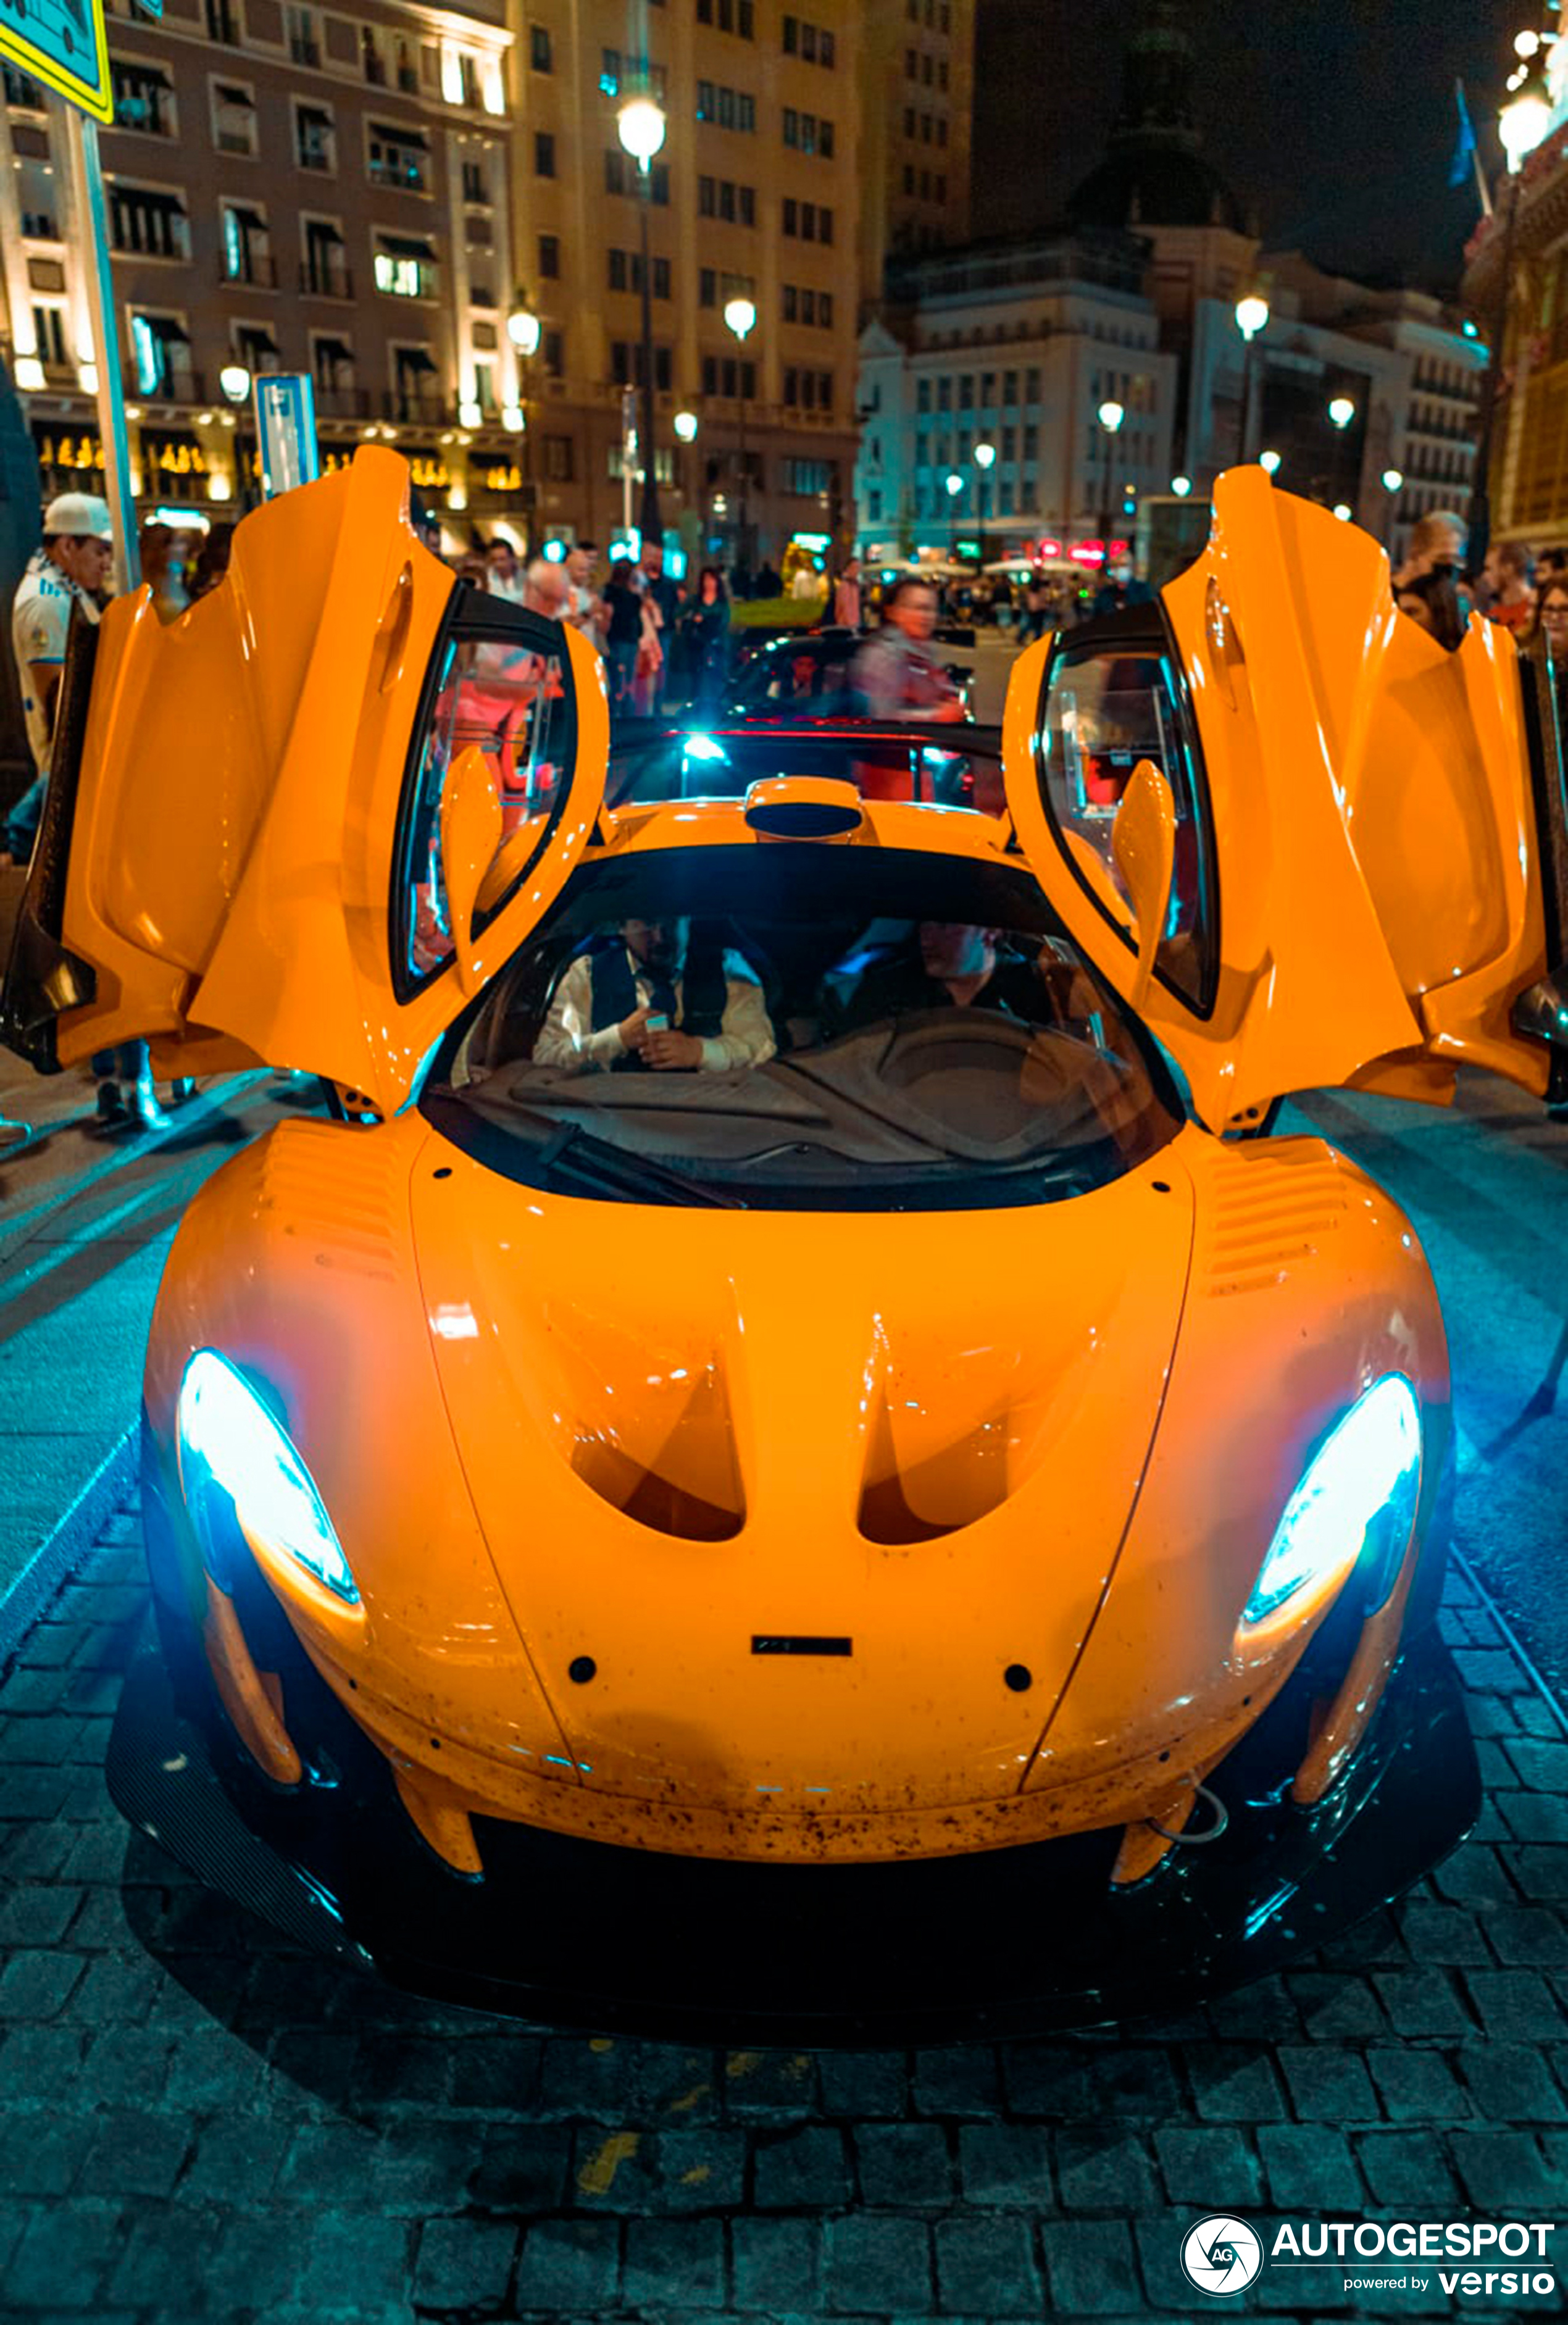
x=636 y=1000
x=951 y=965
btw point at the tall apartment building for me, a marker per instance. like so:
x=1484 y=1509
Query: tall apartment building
x=917 y=105
x=755 y=193
x=290 y=187
x=363 y=192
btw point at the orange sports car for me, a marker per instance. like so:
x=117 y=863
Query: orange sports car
x=784 y=1468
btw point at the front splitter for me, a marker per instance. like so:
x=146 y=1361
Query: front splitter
x=578 y=1934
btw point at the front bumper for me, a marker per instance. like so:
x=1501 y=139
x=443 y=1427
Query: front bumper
x=581 y=1933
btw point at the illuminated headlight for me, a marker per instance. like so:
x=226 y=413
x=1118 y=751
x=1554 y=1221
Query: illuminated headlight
x=1358 y=1492
x=234 y=1455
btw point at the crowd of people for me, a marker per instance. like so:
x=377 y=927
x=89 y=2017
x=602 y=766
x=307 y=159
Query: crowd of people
x=1525 y=594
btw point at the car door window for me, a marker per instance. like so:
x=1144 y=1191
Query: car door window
x=1105 y=708
x=500 y=683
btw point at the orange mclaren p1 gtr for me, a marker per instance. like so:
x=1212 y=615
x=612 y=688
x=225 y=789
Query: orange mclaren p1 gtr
x=780 y=1469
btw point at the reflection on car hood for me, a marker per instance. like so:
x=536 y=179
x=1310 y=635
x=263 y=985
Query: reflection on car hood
x=688 y=1431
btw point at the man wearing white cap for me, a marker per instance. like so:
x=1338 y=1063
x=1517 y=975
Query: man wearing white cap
x=71 y=566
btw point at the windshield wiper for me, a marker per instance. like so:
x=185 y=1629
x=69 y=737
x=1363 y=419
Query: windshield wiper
x=573 y=1152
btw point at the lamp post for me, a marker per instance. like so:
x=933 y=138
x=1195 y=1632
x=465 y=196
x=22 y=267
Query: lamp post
x=1392 y=485
x=1110 y=416
x=685 y=426
x=1523 y=121
x=1251 y=318
x=740 y=317
x=640 y=126
x=955 y=485
x=985 y=461
x=522 y=329
x=234 y=379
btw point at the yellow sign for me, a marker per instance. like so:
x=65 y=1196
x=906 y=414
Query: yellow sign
x=62 y=44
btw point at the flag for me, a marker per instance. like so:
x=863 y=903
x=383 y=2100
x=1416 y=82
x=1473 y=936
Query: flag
x=1465 y=146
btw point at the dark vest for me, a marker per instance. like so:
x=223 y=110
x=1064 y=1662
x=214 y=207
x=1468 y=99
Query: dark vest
x=703 y=992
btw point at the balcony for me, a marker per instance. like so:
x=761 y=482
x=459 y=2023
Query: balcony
x=342 y=402
x=255 y=270
x=374 y=70
x=221 y=25
x=428 y=404
x=182 y=387
x=320 y=279
x=305 y=52
x=408 y=80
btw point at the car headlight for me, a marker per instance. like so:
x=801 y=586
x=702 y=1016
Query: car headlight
x=234 y=1453
x=1359 y=1489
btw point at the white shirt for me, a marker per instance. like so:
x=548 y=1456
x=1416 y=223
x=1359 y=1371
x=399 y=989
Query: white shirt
x=745 y=1038
x=40 y=619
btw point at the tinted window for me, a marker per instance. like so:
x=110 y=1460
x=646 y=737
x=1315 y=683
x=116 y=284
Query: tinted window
x=1104 y=709
x=501 y=684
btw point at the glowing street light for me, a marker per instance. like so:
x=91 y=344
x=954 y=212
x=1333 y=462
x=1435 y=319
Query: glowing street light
x=1342 y=511
x=1251 y=318
x=1180 y=487
x=1251 y=315
x=740 y=317
x=640 y=125
x=685 y=426
x=1342 y=410
x=1269 y=460
x=234 y=379
x=523 y=328
x=985 y=460
x=1110 y=416
x=1393 y=479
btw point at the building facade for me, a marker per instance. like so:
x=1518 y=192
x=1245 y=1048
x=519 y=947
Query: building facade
x=916 y=111
x=367 y=195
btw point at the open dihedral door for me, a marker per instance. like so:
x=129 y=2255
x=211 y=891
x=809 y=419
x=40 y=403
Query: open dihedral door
x=242 y=854
x=1361 y=878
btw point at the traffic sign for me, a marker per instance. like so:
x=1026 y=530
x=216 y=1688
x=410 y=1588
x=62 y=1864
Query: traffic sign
x=63 y=44
x=285 y=421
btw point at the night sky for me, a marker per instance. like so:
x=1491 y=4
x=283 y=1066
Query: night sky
x=1334 y=120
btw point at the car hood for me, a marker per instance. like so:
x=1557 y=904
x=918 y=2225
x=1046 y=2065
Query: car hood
x=811 y=1505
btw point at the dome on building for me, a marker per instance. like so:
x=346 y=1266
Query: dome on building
x=1155 y=173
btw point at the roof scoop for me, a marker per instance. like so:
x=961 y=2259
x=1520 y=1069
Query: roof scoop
x=804 y=807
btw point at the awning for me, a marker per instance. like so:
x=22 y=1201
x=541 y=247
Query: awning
x=318 y=231
x=414 y=359
x=315 y=116
x=257 y=341
x=392 y=132
x=406 y=246
x=248 y=220
x=334 y=351
x=227 y=94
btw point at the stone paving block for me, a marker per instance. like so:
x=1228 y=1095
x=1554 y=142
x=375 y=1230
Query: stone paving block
x=1506 y=2175
x=422 y=2167
x=116 y=1990
x=1335 y=2008
x=1423 y=2003
x=1090 y=2266
x=1235 y=2082
x=569 y=2269
x=775 y=2260
x=962 y=2079
x=1537 y=1717
x=1534 y=1936
x=40 y=2064
x=40 y=2154
x=1415 y=2084
x=673 y=2264
x=317 y=2067
x=769 y=2085
x=63 y=2258
x=1492 y=1670
x=1104 y=2169
x=1514 y=2004
x=524 y=2168
x=498 y=2073
x=235 y=2159
x=1542 y=1766
x=1448 y=1935
x=35 y=1984
x=1309 y=2168
x=1006 y=2163
x=1076 y=2083
x=129 y=2065
x=873 y=2263
x=211 y=2066
x=987 y=2268
x=593 y=2078
x=1406 y=2167
x=253 y=2266
x=157 y=2263
x=864 y=2083
x=135 y=2152
x=685 y=2087
x=1326 y=2085
x=1542 y=1874
x=902 y=2164
x=1488 y=1715
x=799 y=2171
x=356 y=2254
x=1264 y=2011
x=698 y=2170
x=1512 y=2083
x=1476 y=1875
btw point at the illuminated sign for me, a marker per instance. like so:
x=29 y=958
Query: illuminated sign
x=64 y=46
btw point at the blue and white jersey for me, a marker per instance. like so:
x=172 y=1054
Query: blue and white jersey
x=40 y=619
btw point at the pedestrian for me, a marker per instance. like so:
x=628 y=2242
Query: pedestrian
x=1436 y=538
x=162 y=571
x=1036 y=605
x=1433 y=600
x=506 y=578
x=895 y=672
x=586 y=609
x=1508 y=575
x=623 y=636
x=846 y=597
x=1122 y=587
x=705 y=626
x=663 y=596
x=211 y=562
x=63 y=576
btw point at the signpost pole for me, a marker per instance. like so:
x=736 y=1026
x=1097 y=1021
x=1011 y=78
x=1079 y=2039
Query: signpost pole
x=81 y=134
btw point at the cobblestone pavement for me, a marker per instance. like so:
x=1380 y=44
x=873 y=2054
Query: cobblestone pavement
x=197 y=2121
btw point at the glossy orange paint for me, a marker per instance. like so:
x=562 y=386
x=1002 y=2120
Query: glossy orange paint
x=1379 y=874
x=231 y=860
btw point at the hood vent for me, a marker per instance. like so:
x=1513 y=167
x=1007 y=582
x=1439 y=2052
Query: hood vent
x=1268 y=1214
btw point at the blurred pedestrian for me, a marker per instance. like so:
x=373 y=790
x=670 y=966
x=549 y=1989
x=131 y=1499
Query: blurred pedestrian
x=162 y=571
x=846 y=597
x=1121 y=588
x=1509 y=574
x=506 y=571
x=1036 y=605
x=622 y=635
x=1433 y=600
x=662 y=596
x=585 y=610
x=1436 y=539
x=211 y=562
x=895 y=672
x=705 y=625
x=63 y=577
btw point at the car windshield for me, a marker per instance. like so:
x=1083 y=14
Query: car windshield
x=798 y=1026
x=956 y=765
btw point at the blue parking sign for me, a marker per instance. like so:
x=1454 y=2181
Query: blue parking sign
x=285 y=425
x=62 y=44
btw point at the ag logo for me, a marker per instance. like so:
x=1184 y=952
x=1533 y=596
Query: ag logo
x=1221 y=2254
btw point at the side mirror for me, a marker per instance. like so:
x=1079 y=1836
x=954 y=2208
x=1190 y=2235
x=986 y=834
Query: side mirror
x=1143 y=842
x=470 y=830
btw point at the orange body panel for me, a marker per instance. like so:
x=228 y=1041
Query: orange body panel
x=1380 y=879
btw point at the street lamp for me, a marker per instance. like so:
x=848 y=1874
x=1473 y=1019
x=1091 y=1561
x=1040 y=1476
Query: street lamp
x=1392 y=485
x=740 y=317
x=1523 y=121
x=985 y=461
x=640 y=126
x=686 y=427
x=234 y=379
x=523 y=328
x=955 y=485
x=1341 y=411
x=1110 y=416
x=1251 y=318
x=1180 y=487
x=1269 y=462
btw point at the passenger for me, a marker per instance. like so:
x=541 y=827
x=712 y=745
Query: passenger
x=638 y=1001
x=947 y=965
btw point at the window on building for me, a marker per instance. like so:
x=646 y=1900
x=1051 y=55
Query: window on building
x=323 y=273
x=544 y=154
x=246 y=244
x=397 y=156
x=539 y=53
x=549 y=256
x=315 y=141
x=161 y=357
x=49 y=335
x=707 y=287
x=234 y=121
x=792 y=31
x=150 y=222
x=303 y=32
x=405 y=267
x=143 y=99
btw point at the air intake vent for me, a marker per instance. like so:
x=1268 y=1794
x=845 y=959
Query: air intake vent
x=1269 y=1215
x=338 y=1192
